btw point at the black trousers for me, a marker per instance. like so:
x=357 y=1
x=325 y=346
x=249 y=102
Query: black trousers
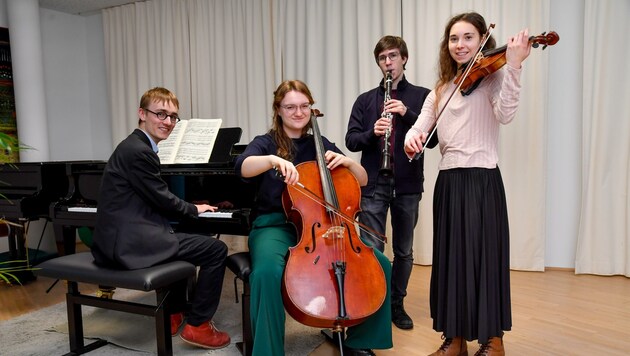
x=404 y=217
x=208 y=253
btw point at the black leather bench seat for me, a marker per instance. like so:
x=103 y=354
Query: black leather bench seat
x=169 y=281
x=80 y=267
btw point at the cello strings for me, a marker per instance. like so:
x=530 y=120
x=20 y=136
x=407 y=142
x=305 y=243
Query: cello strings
x=311 y=195
x=327 y=185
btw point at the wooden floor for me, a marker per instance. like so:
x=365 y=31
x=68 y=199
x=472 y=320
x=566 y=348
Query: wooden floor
x=554 y=313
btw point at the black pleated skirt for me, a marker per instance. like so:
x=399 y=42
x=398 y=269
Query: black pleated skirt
x=470 y=277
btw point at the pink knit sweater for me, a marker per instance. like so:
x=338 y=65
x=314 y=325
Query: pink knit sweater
x=468 y=129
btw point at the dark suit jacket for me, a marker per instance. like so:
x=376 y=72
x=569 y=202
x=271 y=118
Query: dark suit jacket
x=132 y=224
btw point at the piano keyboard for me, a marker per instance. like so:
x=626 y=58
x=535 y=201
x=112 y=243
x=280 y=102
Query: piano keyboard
x=82 y=209
x=222 y=214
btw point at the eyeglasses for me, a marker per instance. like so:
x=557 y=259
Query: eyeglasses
x=392 y=57
x=291 y=109
x=173 y=118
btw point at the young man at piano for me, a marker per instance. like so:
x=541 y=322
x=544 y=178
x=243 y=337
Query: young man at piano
x=132 y=225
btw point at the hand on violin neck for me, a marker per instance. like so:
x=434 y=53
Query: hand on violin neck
x=518 y=48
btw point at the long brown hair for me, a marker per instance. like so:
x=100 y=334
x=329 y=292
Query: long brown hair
x=284 y=142
x=447 y=65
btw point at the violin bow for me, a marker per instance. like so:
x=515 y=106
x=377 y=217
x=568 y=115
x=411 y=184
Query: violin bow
x=459 y=85
x=301 y=188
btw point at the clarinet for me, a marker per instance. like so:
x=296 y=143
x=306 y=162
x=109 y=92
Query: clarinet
x=386 y=156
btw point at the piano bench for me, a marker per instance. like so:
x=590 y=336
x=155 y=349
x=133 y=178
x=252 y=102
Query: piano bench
x=168 y=280
x=240 y=264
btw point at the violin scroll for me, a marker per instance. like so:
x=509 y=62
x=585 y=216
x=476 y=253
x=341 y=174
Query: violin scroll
x=546 y=39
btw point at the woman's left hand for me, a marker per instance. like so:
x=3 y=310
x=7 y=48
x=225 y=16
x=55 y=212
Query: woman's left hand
x=334 y=160
x=518 y=48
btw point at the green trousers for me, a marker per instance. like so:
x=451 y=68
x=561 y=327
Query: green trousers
x=269 y=241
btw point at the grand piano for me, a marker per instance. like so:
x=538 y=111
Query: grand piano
x=27 y=189
x=214 y=182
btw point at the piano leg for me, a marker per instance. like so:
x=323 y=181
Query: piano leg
x=17 y=241
x=12 y=237
x=20 y=239
x=65 y=237
x=17 y=253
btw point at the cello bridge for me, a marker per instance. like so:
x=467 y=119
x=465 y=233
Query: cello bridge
x=334 y=232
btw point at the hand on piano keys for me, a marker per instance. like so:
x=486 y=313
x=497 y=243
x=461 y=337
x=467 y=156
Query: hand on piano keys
x=222 y=210
x=226 y=204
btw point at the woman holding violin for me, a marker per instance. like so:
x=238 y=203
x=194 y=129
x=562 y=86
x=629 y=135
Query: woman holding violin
x=470 y=277
x=270 y=161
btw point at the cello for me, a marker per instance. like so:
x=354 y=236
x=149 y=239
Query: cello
x=331 y=279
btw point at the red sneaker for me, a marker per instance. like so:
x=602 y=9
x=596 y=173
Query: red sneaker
x=176 y=321
x=205 y=335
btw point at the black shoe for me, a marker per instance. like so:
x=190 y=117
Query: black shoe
x=400 y=318
x=357 y=352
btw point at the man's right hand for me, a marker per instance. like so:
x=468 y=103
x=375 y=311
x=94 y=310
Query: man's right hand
x=202 y=208
x=380 y=126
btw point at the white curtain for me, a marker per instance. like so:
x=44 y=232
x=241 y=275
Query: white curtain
x=146 y=45
x=224 y=58
x=232 y=54
x=328 y=44
x=523 y=170
x=604 y=234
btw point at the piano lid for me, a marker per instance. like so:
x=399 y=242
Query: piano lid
x=28 y=188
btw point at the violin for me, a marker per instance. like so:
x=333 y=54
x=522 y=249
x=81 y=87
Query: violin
x=331 y=279
x=483 y=64
x=491 y=60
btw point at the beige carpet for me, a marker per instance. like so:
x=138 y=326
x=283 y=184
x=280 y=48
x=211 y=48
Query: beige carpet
x=44 y=332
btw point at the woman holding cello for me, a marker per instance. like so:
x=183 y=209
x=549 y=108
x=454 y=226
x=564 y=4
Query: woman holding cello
x=270 y=161
x=470 y=277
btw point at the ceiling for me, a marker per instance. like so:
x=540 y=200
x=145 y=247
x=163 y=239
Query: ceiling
x=82 y=7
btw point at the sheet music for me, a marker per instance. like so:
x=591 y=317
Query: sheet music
x=191 y=143
x=167 y=149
